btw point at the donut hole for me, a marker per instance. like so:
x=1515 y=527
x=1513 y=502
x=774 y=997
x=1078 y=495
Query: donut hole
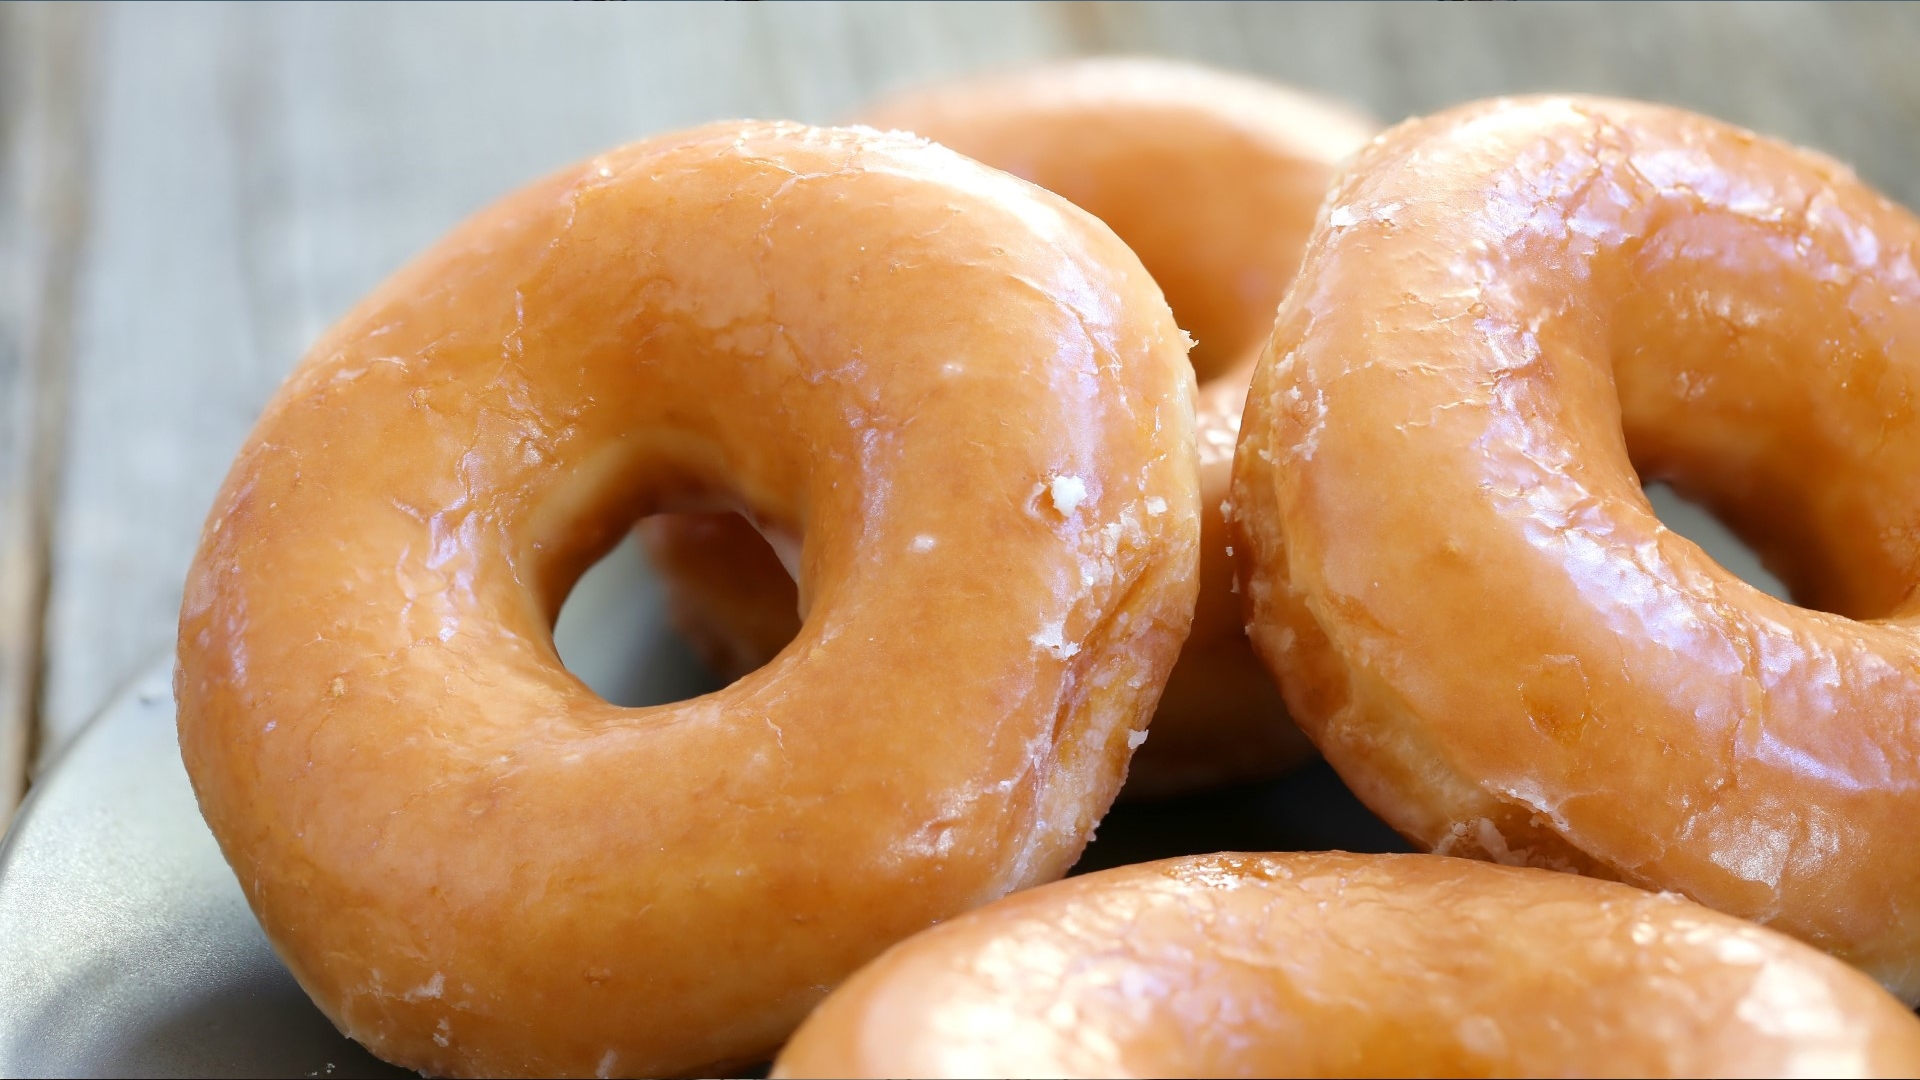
x=1721 y=543
x=1791 y=510
x=730 y=594
x=1770 y=395
x=613 y=634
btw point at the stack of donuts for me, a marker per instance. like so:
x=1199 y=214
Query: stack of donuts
x=1035 y=408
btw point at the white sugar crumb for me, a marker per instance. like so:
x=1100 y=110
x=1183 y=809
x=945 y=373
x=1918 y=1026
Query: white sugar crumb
x=1067 y=492
x=923 y=542
x=1051 y=639
x=1315 y=424
x=1156 y=505
x=1135 y=738
x=1341 y=217
x=607 y=1062
x=427 y=991
x=1495 y=844
x=1484 y=832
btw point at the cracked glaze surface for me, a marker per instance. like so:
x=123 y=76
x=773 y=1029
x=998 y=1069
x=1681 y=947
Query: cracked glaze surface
x=1351 y=965
x=1506 y=311
x=1213 y=180
x=476 y=866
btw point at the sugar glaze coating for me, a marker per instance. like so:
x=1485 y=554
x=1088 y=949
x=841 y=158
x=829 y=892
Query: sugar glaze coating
x=1510 y=314
x=890 y=354
x=1351 y=965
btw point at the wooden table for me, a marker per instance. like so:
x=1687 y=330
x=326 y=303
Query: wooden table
x=189 y=194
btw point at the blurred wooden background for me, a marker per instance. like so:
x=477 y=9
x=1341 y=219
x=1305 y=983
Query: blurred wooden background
x=190 y=193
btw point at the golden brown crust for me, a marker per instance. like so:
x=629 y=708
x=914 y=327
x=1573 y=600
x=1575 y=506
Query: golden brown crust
x=966 y=398
x=1451 y=567
x=1213 y=180
x=1351 y=965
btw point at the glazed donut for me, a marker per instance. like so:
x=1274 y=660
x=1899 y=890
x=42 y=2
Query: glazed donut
x=962 y=396
x=1510 y=314
x=1213 y=180
x=1351 y=965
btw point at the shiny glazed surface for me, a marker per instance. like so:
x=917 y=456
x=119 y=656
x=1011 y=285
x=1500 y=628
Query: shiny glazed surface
x=963 y=399
x=1213 y=180
x=1508 y=309
x=1351 y=965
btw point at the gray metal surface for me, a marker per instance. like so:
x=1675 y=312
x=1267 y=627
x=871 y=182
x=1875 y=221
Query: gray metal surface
x=126 y=948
